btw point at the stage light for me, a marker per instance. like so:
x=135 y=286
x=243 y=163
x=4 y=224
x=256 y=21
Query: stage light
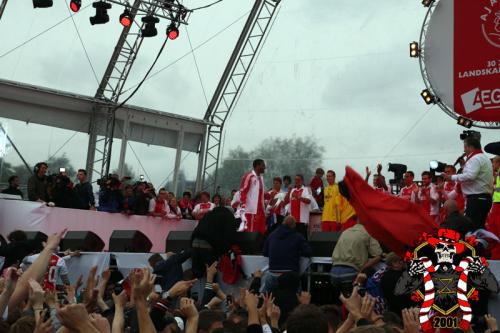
x=399 y=170
x=168 y=4
x=125 y=18
x=427 y=3
x=75 y=5
x=437 y=166
x=149 y=29
x=172 y=31
x=101 y=13
x=462 y=121
x=42 y=3
x=414 y=50
x=427 y=96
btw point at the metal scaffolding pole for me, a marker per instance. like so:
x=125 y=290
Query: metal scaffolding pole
x=231 y=83
x=2 y=7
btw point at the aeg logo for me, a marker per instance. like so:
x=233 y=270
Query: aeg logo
x=476 y=99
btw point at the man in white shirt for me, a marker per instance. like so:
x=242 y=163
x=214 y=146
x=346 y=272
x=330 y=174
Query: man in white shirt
x=299 y=199
x=203 y=207
x=477 y=182
x=428 y=197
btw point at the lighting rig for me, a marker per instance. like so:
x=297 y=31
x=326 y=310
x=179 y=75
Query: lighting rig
x=171 y=10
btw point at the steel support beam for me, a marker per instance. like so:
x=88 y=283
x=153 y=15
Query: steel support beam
x=123 y=148
x=178 y=155
x=201 y=155
x=231 y=83
x=110 y=89
x=2 y=7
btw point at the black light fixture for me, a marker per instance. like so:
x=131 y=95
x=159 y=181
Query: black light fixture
x=465 y=122
x=437 y=166
x=167 y=4
x=427 y=96
x=42 y=3
x=126 y=18
x=427 y=3
x=101 y=13
x=414 y=50
x=75 y=5
x=399 y=170
x=149 y=28
x=172 y=31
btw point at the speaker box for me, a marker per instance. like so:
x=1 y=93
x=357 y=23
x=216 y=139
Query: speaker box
x=249 y=242
x=177 y=241
x=129 y=241
x=323 y=243
x=83 y=241
x=37 y=237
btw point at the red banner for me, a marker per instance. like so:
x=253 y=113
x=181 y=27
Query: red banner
x=477 y=59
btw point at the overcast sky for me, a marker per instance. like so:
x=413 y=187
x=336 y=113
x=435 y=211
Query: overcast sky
x=335 y=69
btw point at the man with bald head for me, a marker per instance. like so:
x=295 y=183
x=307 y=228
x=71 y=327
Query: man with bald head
x=454 y=220
x=284 y=247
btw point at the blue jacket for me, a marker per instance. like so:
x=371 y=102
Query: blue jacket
x=171 y=269
x=284 y=247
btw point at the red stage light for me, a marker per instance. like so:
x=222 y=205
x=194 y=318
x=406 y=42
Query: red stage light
x=125 y=18
x=172 y=32
x=75 y=5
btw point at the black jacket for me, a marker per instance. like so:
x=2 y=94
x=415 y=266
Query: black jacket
x=218 y=229
x=459 y=223
x=13 y=191
x=170 y=269
x=284 y=247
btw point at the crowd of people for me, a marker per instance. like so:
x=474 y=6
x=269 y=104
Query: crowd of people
x=365 y=277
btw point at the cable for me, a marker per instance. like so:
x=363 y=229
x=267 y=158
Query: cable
x=66 y=142
x=209 y=5
x=194 y=49
x=138 y=160
x=196 y=65
x=451 y=153
x=41 y=33
x=410 y=130
x=127 y=99
x=83 y=46
x=168 y=176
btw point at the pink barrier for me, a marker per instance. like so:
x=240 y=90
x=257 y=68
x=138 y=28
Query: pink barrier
x=33 y=216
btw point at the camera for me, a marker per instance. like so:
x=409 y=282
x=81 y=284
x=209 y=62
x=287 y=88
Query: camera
x=110 y=181
x=469 y=133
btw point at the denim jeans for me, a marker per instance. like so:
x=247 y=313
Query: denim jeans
x=342 y=277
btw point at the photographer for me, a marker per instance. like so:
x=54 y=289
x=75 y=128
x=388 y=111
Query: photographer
x=61 y=191
x=110 y=195
x=476 y=180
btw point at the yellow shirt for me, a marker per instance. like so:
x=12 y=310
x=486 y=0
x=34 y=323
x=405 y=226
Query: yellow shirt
x=332 y=201
x=336 y=208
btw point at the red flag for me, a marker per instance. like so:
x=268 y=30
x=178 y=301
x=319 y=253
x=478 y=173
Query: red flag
x=394 y=222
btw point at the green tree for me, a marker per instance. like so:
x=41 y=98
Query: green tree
x=289 y=156
x=283 y=156
x=6 y=170
x=127 y=171
x=237 y=162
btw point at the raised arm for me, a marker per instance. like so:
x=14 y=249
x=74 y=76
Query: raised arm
x=36 y=270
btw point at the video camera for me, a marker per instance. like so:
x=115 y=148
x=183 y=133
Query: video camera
x=469 y=133
x=110 y=181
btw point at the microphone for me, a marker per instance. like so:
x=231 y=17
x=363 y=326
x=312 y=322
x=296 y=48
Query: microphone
x=459 y=158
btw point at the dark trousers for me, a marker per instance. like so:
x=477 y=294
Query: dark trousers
x=302 y=229
x=477 y=208
x=201 y=257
